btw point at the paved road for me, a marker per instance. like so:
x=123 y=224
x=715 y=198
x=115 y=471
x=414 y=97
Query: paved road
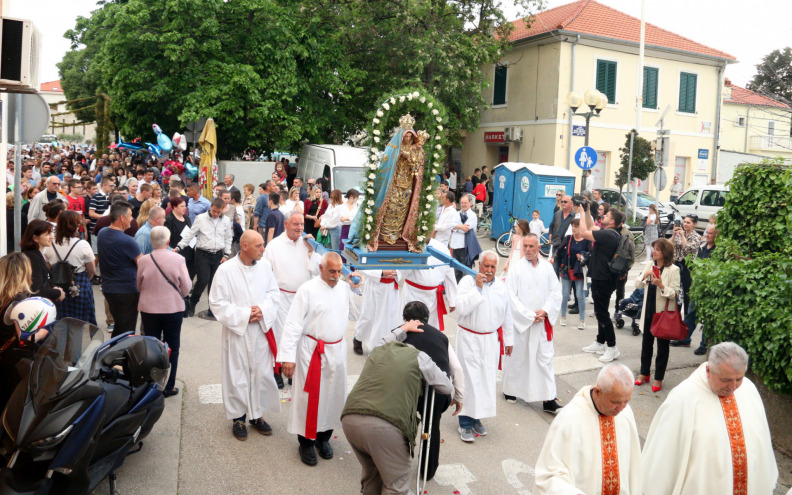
x=191 y=450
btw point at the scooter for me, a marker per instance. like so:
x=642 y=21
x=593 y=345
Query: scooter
x=86 y=404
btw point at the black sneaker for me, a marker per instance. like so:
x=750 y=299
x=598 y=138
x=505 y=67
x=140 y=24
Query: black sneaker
x=325 y=450
x=308 y=455
x=261 y=426
x=573 y=310
x=239 y=430
x=170 y=393
x=679 y=343
x=279 y=381
x=357 y=346
x=96 y=280
x=191 y=310
x=700 y=351
x=510 y=399
x=551 y=406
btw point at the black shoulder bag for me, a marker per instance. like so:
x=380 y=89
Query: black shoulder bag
x=185 y=299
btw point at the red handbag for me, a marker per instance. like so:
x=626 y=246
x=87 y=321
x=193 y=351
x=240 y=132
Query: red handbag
x=571 y=271
x=668 y=325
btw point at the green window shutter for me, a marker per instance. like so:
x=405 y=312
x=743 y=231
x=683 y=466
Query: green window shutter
x=650 y=87
x=606 y=79
x=499 y=90
x=687 y=92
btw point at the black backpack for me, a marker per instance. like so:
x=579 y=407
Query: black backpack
x=623 y=259
x=62 y=273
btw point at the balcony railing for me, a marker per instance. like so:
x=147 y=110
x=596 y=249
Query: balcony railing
x=772 y=143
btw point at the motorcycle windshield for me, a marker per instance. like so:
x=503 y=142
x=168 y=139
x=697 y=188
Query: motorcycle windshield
x=64 y=360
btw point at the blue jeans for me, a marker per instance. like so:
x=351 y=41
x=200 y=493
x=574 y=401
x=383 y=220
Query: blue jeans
x=335 y=238
x=466 y=422
x=566 y=286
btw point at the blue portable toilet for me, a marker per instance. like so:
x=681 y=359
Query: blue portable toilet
x=521 y=188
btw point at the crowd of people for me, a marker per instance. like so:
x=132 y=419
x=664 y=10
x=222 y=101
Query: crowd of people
x=284 y=311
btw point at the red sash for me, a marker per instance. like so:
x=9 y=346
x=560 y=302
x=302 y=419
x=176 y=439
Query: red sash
x=500 y=339
x=288 y=291
x=273 y=348
x=548 y=329
x=737 y=441
x=390 y=281
x=441 y=307
x=610 y=456
x=313 y=383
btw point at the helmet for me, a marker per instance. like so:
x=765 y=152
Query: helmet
x=141 y=358
x=31 y=314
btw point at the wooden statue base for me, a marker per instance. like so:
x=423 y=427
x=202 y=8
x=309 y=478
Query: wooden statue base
x=400 y=245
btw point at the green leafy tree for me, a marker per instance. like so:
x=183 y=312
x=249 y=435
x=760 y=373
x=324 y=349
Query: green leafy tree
x=743 y=291
x=643 y=162
x=71 y=138
x=774 y=75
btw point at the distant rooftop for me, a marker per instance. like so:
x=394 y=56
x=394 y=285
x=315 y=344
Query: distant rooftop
x=742 y=96
x=52 y=86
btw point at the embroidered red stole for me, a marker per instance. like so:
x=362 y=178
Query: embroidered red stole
x=737 y=441
x=610 y=456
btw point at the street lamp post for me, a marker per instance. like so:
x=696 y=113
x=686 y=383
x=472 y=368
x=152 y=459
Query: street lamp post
x=596 y=101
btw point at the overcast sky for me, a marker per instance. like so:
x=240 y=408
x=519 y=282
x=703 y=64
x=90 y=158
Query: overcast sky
x=744 y=29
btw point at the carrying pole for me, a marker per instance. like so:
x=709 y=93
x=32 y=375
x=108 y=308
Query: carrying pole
x=426 y=437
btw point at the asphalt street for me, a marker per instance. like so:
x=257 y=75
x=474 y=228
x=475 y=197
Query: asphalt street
x=191 y=450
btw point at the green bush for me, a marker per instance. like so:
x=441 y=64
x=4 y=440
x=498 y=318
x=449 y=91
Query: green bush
x=743 y=293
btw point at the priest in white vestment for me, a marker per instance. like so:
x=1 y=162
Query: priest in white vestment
x=427 y=287
x=312 y=350
x=535 y=296
x=244 y=298
x=592 y=447
x=711 y=433
x=294 y=262
x=484 y=334
x=379 y=313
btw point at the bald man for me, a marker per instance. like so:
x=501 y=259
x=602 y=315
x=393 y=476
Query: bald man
x=315 y=325
x=244 y=298
x=593 y=446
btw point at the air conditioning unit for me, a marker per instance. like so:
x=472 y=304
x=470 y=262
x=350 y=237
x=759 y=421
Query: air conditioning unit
x=19 y=55
x=517 y=135
x=508 y=134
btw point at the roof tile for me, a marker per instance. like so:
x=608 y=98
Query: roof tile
x=51 y=86
x=742 y=96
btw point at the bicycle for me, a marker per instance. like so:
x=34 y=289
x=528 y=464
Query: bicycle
x=484 y=226
x=503 y=245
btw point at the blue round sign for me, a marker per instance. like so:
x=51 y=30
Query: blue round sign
x=586 y=157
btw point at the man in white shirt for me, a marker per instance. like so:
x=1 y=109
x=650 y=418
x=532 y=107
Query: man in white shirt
x=213 y=233
x=452 y=179
x=448 y=218
x=460 y=243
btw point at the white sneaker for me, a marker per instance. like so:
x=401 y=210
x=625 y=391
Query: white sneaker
x=610 y=354
x=595 y=348
x=582 y=325
x=563 y=321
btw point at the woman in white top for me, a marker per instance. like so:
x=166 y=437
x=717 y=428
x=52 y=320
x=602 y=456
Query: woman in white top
x=521 y=227
x=331 y=220
x=348 y=211
x=78 y=253
x=293 y=203
x=650 y=231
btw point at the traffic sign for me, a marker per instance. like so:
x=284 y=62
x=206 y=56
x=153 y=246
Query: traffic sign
x=586 y=157
x=579 y=130
x=703 y=153
x=660 y=179
x=35 y=117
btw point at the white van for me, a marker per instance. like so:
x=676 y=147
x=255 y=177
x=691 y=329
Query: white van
x=344 y=166
x=702 y=201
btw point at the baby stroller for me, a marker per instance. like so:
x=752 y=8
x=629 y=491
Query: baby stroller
x=631 y=308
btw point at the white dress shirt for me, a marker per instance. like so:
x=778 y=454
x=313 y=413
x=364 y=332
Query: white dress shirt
x=211 y=234
x=458 y=235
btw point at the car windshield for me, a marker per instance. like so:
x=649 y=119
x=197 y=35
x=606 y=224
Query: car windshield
x=644 y=200
x=346 y=178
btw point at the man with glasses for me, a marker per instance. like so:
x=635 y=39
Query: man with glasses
x=50 y=192
x=77 y=202
x=559 y=227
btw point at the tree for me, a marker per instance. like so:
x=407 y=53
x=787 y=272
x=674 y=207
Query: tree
x=276 y=73
x=774 y=76
x=643 y=162
x=71 y=138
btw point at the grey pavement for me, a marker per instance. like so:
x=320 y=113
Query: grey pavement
x=191 y=449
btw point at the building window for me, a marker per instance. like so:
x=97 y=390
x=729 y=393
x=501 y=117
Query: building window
x=650 y=87
x=499 y=90
x=687 y=92
x=606 y=79
x=771 y=128
x=740 y=122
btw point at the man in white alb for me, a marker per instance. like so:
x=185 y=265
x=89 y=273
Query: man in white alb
x=294 y=262
x=711 y=433
x=535 y=296
x=379 y=313
x=244 y=299
x=593 y=446
x=485 y=333
x=312 y=349
x=428 y=285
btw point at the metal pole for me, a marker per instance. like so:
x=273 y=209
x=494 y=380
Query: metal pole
x=629 y=172
x=18 y=172
x=585 y=143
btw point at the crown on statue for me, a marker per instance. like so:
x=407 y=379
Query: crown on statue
x=406 y=122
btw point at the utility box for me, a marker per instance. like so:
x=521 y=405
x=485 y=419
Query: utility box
x=521 y=188
x=19 y=55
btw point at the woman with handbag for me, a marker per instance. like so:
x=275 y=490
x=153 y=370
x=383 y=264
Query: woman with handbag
x=571 y=272
x=660 y=312
x=37 y=237
x=314 y=208
x=163 y=283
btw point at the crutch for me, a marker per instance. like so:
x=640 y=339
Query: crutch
x=425 y=437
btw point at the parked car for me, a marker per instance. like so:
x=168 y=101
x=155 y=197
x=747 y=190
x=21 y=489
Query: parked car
x=702 y=201
x=624 y=202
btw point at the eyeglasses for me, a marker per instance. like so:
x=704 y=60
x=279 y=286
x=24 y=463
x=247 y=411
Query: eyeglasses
x=565 y=201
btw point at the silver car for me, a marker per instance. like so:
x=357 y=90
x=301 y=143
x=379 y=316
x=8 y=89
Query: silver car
x=620 y=200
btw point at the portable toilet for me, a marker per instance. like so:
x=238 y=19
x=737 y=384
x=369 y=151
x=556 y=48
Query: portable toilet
x=526 y=187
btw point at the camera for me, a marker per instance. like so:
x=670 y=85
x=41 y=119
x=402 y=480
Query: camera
x=677 y=222
x=578 y=200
